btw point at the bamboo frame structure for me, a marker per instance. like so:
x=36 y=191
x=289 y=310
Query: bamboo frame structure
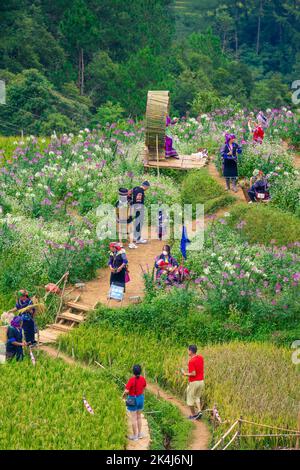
x=158 y=106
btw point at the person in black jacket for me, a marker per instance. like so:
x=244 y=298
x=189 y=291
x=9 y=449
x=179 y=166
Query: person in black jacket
x=118 y=264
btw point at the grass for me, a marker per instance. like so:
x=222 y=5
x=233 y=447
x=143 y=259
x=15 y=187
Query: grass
x=9 y=144
x=255 y=380
x=41 y=407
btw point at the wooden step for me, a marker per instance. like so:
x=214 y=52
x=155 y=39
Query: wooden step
x=64 y=328
x=71 y=317
x=79 y=307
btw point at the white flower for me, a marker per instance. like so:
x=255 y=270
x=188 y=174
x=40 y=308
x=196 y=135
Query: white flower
x=226 y=214
x=80 y=190
x=213 y=255
x=206 y=271
x=220 y=258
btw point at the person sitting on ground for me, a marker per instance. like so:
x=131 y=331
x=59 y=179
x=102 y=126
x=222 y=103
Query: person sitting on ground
x=15 y=343
x=29 y=326
x=118 y=264
x=259 y=189
x=123 y=214
x=138 y=202
x=134 y=391
x=229 y=153
x=167 y=266
x=195 y=388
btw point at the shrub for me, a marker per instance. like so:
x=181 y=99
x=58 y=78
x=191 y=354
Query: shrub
x=53 y=416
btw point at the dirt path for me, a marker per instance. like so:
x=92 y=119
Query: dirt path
x=142 y=444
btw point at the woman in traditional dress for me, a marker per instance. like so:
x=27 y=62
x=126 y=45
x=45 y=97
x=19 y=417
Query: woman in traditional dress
x=118 y=264
x=257 y=131
x=229 y=153
x=167 y=266
x=170 y=151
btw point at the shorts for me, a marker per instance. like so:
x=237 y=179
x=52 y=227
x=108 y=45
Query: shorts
x=194 y=392
x=140 y=399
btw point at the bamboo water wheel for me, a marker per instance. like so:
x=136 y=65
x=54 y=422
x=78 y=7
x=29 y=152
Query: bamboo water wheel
x=158 y=105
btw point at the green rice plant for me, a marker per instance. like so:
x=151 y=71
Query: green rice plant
x=41 y=408
x=263 y=224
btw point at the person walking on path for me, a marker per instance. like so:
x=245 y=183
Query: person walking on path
x=138 y=201
x=118 y=264
x=15 y=343
x=229 y=153
x=134 y=391
x=195 y=387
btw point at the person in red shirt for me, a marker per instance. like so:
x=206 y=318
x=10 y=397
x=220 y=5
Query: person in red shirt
x=195 y=388
x=134 y=391
x=258 y=132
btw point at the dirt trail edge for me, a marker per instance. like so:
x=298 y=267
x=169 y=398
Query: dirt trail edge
x=200 y=435
x=142 y=444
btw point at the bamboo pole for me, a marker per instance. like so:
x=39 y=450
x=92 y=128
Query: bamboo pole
x=298 y=435
x=225 y=435
x=62 y=297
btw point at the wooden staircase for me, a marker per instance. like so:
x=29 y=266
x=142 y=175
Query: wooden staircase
x=73 y=314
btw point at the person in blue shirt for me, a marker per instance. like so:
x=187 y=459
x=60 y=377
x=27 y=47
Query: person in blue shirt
x=229 y=153
x=15 y=343
x=27 y=317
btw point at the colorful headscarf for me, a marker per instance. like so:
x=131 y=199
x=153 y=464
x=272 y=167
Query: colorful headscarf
x=228 y=137
x=116 y=245
x=16 y=322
